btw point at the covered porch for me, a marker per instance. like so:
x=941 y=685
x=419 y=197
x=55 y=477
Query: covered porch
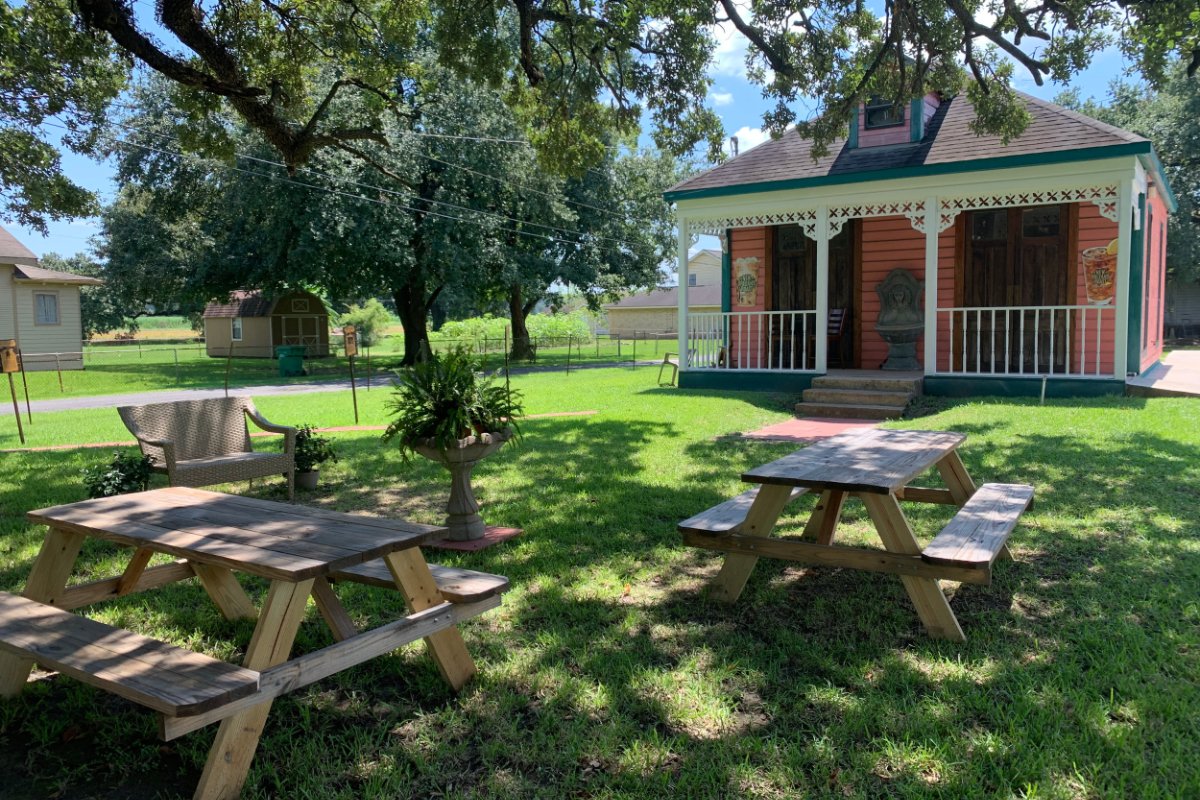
x=1050 y=273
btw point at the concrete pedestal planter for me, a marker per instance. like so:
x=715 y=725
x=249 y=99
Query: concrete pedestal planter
x=462 y=510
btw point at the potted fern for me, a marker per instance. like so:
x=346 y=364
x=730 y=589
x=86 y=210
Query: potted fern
x=312 y=450
x=444 y=410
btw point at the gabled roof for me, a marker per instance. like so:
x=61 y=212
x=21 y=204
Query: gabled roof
x=13 y=252
x=1053 y=133
x=241 y=304
x=698 y=296
x=24 y=273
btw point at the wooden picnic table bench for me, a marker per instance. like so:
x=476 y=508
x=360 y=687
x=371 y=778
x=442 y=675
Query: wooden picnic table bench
x=298 y=549
x=877 y=467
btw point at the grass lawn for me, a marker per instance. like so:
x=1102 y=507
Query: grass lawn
x=607 y=673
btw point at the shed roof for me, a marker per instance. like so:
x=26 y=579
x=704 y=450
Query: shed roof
x=241 y=304
x=13 y=252
x=28 y=274
x=669 y=298
x=948 y=140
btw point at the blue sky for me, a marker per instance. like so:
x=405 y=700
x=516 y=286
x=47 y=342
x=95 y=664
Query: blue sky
x=739 y=103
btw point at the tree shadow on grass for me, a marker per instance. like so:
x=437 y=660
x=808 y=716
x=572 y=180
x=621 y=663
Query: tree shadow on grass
x=1079 y=660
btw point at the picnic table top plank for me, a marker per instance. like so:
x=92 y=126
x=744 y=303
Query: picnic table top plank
x=875 y=461
x=271 y=540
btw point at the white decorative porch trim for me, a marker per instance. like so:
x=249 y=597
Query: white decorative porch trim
x=1106 y=198
x=913 y=209
x=714 y=226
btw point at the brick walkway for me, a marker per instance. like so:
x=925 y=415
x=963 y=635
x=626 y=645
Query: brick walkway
x=809 y=429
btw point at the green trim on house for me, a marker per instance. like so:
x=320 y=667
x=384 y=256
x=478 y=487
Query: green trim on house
x=732 y=380
x=946 y=386
x=852 y=139
x=916 y=111
x=1133 y=328
x=949 y=168
x=1157 y=165
x=727 y=272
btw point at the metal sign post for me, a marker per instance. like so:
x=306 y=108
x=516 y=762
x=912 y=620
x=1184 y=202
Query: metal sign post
x=350 y=342
x=10 y=363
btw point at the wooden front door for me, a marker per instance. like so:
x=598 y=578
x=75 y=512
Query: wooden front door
x=1015 y=263
x=794 y=284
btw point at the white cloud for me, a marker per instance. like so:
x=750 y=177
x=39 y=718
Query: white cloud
x=748 y=137
x=729 y=58
x=721 y=98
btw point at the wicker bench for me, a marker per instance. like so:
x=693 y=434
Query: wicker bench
x=205 y=442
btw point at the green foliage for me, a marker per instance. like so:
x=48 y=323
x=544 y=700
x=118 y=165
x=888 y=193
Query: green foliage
x=127 y=472
x=473 y=329
x=101 y=310
x=312 y=449
x=444 y=399
x=369 y=320
x=560 y=326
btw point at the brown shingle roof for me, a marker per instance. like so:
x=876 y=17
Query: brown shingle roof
x=948 y=139
x=13 y=252
x=42 y=275
x=669 y=298
x=241 y=304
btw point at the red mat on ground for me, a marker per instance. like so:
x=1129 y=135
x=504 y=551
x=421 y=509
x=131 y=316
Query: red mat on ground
x=492 y=536
x=809 y=429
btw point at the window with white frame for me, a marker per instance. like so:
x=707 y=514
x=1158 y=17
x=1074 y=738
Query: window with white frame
x=45 y=308
x=237 y=329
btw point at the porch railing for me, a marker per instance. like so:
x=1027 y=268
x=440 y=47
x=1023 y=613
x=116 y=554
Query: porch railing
x=1027 y=340
x=752 y=340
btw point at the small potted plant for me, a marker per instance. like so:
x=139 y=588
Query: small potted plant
x=312 y=450
x=444 y=410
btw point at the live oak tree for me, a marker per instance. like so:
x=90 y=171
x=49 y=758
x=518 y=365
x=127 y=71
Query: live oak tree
x=572 y=70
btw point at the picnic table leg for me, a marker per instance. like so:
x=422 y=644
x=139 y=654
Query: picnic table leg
x=897 y=536
x=825 y=518
x=760 y=521
x=46 y=582
x=233 y=748
x=958 y=481
x=228 y=595
x=416 y=584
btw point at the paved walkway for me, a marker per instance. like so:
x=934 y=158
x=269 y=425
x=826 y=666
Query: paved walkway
x=808 y=429
x=1177 y=375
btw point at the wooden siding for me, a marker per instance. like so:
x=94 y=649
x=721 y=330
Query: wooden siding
x=749 y=243
x=65 y=337
x=706 y=266
x=8 y=319
x=1095 y=231
x=255 y=343
x=1154 y=281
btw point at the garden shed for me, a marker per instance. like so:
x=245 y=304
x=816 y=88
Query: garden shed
x=251 y=325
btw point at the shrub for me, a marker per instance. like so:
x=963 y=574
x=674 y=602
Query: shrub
x=312 y=449
x=370 y=320
x=126 y=473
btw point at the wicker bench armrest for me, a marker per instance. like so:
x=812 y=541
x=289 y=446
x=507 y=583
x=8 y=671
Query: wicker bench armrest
x=262 y=422
x=168 y=448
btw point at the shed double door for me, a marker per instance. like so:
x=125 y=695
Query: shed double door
x=1016 y=268
x=301 y=330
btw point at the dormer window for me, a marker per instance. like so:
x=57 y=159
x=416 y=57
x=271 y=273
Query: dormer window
x=882 y=113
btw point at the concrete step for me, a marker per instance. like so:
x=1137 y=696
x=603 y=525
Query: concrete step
x=857 y=397
x=878 y=384
x=847 y=411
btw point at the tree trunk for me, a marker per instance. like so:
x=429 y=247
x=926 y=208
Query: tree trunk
x=410 y=307
x=522 y=346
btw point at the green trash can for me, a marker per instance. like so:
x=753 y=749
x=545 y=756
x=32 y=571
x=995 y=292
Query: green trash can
x=291 y=360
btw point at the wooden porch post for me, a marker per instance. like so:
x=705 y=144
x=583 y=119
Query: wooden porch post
x=1125 y=194
x=932 y=220
x=822 y=287
x=683 y=293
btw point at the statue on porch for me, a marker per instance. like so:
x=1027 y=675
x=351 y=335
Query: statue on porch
x=901 y=321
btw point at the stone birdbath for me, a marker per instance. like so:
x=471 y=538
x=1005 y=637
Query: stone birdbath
x=462 y=510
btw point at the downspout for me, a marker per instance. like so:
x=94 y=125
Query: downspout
x=1136 y=277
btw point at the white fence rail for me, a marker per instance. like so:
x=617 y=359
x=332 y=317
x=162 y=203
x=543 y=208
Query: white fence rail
x=752 y=340
x=1072 y=341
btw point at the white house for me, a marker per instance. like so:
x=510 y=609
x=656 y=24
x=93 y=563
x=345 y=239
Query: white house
x=657 y=311
x=40 y=308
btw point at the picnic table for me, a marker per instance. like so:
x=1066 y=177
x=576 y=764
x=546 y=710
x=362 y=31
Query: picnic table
x=876 y=467
x=300 y=550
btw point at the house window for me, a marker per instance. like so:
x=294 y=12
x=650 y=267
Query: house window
x=692 y=279
x=237 y=329
x=45 y=308
x=882 y=113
